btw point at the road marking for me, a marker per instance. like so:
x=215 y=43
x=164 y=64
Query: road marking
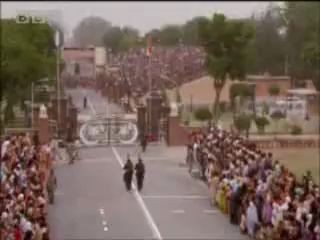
x=210 y=211
x=89 y=103
x=176 y=196
x=105 y=229
x=178 y=211
x=104 y=223
x=151 y=222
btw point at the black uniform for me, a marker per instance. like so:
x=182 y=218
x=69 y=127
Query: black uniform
x=85 y=102
x=128 y=173
x=144 y=142
x=140 y=170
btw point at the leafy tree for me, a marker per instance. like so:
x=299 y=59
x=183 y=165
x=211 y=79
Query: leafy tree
x=27 y=55
x=90 y=31
x=277 y=116
x=203 y=114
x=274 y=90
x=190 y=31
x=112 y=38
x=170 y=35
x=129 y=39
x=225 y=42
x=242 y=123
x=261 y=123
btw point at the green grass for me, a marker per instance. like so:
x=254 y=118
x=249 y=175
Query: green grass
x=299 y=161
x=282 y=127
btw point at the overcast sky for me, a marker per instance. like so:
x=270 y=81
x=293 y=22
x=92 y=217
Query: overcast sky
x=141 y=15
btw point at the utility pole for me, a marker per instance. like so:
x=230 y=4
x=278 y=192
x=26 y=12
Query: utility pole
x=57 y=42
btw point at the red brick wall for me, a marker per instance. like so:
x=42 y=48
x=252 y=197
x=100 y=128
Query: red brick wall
x=262 y=87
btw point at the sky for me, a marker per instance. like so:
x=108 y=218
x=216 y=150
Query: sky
x=142 y=15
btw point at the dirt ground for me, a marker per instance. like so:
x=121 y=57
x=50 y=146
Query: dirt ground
x=299 y=161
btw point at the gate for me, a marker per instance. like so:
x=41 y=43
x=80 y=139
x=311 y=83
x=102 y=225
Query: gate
x=108 y=130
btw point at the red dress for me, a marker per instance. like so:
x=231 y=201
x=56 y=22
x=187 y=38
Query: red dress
x=17 y=234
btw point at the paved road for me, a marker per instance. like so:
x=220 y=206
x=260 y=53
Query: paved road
x=92 y=203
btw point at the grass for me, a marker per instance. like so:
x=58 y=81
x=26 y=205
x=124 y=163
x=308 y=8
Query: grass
x=299 y=161
x=282 y=127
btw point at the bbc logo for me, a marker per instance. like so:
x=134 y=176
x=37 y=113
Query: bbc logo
x=26 y=18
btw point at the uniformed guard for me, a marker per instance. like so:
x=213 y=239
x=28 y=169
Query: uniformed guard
x=128 y=173
x=51 y=186
x=140 y=171
x=144 y=142
x=85 y=102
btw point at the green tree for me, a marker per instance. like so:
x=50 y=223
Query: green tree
x=129 y=39
x=242 y=123
x=225 y=42
x=170 y=35
x=203 y=114
x=261 y=122
x=90 y=31
x=190 y=31
x=27 y=55
x=274 y=90
x=112 y=39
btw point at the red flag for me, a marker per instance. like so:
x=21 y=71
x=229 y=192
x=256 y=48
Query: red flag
x=149 y=46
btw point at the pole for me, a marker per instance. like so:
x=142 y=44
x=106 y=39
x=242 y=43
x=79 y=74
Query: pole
x=150 y=89
x=58 y=91
x=32 y=101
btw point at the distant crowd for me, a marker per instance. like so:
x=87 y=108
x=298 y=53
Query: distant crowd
x=167 y=66
x=25 y=182
x=259 y=194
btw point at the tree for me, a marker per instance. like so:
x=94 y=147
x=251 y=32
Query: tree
x=170 y=35
x=26 y=56
x=242 y=123
x=241 y=90
x=190 y=31
x=129 y=39
x=113 y=39
x=301 y=22
x=225 y=42
x=267 y=33
x=90 y=31
x=261 y=123
x=203 y=114
x=274 y=90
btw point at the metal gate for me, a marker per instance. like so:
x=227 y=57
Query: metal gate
x=108 y=130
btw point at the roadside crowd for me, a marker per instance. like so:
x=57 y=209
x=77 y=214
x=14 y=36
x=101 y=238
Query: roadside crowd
x=25 y=167
x=167 y=66
x=257 y=193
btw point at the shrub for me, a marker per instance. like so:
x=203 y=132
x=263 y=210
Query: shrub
x=278 y=115
x=242 y=122
x=296 y=130
x=203 y=114
x=261 y=123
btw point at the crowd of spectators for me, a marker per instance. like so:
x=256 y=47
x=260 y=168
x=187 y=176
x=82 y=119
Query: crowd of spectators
x=258 y=193
x=25 y=169
x=167 y=66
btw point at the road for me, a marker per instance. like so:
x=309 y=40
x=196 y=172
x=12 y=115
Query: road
x=91 y=201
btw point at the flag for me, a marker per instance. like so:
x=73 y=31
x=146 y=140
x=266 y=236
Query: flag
x=149 y=46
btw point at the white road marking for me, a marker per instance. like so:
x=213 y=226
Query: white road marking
x=101 y=211
x=176 y=196
x=178 y=211
x=151 y=222
x=105 y=229
x=104 y=223
x=210 y=211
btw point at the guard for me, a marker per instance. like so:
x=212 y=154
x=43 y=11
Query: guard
x=144 y=142
x=85 y=102
x=140 y=170
x=128 y=173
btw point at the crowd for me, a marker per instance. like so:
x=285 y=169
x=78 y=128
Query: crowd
x=257 y=193
x=167 y=66
x=25 y=171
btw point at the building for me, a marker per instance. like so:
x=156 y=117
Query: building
x=85 y=58
x=264 y=82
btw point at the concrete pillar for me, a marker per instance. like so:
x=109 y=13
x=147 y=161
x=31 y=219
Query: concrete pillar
x=154 y=101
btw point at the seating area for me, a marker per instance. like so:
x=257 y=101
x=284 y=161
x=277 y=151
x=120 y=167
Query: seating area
x=258 y=194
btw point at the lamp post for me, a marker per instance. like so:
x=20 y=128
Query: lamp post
x=57 y=43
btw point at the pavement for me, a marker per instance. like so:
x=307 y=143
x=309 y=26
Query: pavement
x=91 y=201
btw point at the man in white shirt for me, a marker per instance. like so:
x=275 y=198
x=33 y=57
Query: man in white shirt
x=4 y=146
